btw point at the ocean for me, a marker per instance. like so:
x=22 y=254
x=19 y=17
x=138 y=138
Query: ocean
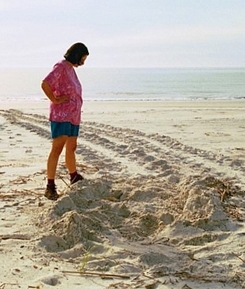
x=132 y=84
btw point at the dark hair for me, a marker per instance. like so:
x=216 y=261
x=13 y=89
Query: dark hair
x=76 y=52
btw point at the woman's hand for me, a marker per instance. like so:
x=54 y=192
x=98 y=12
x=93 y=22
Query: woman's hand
x=60 y=99
x=49 y=93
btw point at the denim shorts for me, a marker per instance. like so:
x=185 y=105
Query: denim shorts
x=63 y=128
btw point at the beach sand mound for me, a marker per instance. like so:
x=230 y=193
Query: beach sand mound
x=149 y=225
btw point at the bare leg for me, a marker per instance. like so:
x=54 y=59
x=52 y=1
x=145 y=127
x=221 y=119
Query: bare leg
x=71 y=145
x=57 y=147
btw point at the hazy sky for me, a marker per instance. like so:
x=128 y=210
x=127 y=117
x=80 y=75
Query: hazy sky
x=124 y=33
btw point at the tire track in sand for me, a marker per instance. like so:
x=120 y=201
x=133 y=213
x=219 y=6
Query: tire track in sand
x=131 y=152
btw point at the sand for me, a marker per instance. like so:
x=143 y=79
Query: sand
x=162 y=204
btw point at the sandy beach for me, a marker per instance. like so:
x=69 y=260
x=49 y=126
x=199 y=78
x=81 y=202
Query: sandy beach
x=162 y=204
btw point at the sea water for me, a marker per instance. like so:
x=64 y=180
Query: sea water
x=132 y=84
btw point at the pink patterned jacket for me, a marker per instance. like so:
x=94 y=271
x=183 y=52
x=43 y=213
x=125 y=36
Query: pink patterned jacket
x=63 y=81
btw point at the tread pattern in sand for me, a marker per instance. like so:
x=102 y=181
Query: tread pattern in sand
x=129 y=151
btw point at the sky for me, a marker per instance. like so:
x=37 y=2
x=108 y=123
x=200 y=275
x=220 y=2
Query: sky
x=124 y=33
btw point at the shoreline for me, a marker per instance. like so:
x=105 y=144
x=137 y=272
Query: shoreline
x=44 y=104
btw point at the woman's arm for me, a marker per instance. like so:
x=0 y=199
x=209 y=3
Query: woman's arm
x=49 y=93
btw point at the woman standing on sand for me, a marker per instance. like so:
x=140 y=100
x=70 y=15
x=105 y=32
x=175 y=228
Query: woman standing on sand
x=64 y=90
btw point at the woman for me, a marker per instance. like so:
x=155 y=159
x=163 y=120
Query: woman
x=64 y=90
